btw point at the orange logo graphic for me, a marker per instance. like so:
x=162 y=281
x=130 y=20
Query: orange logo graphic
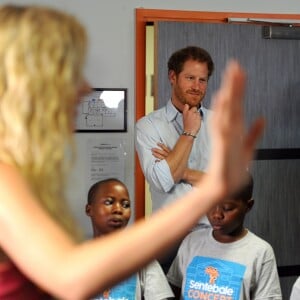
x=106 y=294
x=213 y=274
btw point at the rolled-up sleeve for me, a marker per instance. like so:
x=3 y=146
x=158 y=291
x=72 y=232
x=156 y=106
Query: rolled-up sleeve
x=157 y=173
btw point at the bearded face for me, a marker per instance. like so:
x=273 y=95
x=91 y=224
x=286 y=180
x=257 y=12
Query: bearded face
x=189 y=86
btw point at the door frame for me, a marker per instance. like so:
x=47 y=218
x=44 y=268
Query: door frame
x=142 y=18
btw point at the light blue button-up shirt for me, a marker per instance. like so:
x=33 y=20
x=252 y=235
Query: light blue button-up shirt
x=160 y=126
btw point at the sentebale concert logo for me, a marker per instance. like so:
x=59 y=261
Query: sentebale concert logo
x=213 y=279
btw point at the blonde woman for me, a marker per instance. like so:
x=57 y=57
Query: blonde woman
x=41 y=58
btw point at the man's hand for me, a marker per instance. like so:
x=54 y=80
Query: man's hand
x=161 y=152
x=191 y=119
x=189 y=175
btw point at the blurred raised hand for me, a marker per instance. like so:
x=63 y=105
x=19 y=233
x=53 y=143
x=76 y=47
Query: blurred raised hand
x=233 y=146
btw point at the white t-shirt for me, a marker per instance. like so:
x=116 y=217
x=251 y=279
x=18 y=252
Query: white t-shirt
x=243 y=270
x=295 y=294
x=150 y=284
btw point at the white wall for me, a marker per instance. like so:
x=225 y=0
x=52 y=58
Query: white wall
x=110 y=25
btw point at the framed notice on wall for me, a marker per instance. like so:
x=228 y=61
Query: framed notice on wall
x=104 y=109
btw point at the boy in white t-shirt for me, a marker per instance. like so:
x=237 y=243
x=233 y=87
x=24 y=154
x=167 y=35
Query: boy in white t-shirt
x=226 y=261
x=109 y=209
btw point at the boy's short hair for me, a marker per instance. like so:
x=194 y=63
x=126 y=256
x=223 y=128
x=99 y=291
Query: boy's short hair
x=246 y=191
x=95 y=187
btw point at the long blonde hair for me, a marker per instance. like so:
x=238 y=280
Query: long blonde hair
x=42 y=54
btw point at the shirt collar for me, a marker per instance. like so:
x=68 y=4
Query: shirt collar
x=171 y=111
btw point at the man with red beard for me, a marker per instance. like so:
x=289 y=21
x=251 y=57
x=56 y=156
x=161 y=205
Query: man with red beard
x=173 y=142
